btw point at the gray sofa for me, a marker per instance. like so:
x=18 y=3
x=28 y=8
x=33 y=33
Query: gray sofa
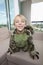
x=4 y=44
x=19 y=58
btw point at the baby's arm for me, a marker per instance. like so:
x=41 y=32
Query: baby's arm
x=11 y=44
x=31 y=48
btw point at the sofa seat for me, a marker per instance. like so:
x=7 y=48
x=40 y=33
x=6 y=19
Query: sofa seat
x=3 y=60
x=21 y=58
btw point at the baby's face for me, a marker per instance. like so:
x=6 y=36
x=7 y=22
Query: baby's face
x=19 y=24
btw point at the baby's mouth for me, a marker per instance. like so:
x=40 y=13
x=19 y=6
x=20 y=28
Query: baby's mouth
x=20 y=26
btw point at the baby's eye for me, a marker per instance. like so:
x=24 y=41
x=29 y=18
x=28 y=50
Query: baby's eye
x=23 y=21
x=17 y=21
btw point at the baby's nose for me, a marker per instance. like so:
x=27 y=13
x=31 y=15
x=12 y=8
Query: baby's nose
x=20 y=23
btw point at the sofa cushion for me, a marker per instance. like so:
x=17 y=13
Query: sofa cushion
x=4 y=46
x=38 y=36
x=4 y=43
x=21 y=58
x=4 y=40
x=4 y=33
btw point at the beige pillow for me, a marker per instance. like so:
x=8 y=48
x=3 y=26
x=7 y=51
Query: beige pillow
x=4 y=33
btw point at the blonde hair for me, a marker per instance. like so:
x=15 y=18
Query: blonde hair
x=22 y=17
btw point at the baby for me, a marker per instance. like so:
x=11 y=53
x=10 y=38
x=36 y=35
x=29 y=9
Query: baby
x=22 y=38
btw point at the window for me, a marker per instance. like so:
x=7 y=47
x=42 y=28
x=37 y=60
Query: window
x=3 y=20
x=37 y=16
x=8 y=10
x=14 y=10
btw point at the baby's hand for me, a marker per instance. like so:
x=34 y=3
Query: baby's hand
x=34 y=54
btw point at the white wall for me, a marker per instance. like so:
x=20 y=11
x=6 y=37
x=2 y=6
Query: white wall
x=35 y=1
x=26 y=10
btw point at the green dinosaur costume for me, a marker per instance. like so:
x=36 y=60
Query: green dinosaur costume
x=23 y=41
